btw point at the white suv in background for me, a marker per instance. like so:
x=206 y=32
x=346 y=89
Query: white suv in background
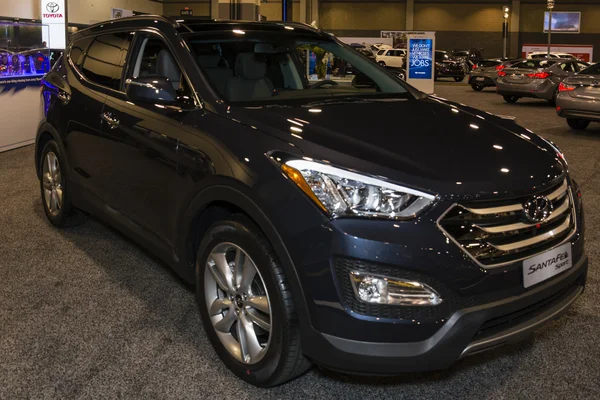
x=391 y=58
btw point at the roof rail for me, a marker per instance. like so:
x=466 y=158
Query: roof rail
x=141 y=17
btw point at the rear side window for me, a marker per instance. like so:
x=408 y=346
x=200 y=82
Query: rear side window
x=567 y=67
x=104 y=60
x=77 y=52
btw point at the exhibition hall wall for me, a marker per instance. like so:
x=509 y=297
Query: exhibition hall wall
x=460 y=23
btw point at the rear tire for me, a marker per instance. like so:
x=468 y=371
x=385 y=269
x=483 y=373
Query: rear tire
x=577 y=124
x=459 y=79
x=478 y=87
x=511 y=99
x=279 y=357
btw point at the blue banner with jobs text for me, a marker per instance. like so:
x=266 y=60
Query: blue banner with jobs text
x=420 y=58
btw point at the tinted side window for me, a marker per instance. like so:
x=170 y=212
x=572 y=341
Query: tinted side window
x=77 y=51
x=105 y=58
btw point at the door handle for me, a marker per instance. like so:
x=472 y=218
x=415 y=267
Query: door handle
x=64 y=97
x=110 y=120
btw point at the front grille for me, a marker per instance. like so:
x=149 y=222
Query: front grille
x=496 y=234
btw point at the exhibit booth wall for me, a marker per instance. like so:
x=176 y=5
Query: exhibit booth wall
x=79 y=11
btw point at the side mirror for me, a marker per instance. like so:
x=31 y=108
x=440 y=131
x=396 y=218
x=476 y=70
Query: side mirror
x=152 y=89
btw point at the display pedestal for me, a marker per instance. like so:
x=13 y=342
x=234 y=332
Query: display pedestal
x=20 y=113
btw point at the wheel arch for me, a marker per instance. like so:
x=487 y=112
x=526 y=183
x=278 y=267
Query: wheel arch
x=217 y=202
x=46 y=133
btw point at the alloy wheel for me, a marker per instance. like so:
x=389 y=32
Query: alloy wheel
x=238 y=303
x=52 y=181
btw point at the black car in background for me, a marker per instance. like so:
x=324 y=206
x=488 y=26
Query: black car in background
x=447 y=67
x=312 y=233
x=469 y=57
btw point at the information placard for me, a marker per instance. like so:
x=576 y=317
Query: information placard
x=420 y=65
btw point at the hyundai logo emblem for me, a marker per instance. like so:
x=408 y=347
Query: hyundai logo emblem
x=52 y=7
x=538 y=208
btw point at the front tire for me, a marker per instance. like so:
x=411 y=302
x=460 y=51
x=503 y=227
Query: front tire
x=54 y=188
x=381 y=63
x=578 y=124
x=511 y=99
x=478 y=87
x=246 y=304
x=459 y=79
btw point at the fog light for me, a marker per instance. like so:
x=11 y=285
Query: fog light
x=387 y=290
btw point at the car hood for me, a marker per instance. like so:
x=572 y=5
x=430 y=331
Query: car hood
x=453 y=151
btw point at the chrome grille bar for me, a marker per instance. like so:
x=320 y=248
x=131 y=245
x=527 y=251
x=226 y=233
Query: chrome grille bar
x=522 y=225
x=499 y=235
x=536 y=239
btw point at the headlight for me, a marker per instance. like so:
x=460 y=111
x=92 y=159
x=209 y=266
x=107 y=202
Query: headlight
x=340 y=192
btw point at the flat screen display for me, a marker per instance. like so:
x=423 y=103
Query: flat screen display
x=420 y=58
x=563 y=22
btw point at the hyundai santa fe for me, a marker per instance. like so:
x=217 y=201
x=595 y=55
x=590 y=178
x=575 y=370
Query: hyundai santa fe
x=400 y=242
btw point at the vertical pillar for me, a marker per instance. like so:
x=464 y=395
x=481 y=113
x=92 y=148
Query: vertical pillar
x=410 y=15
x=514 y=29
x=286 y=10
x=214 y=9
x=304 y=11
x=314 y=12
x=246 y=10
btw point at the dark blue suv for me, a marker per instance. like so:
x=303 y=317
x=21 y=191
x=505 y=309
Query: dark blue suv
x=363 y=226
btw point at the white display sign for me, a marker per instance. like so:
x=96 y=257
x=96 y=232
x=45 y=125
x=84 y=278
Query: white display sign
x=121 y=13
x=420 y=60
x=54 y=15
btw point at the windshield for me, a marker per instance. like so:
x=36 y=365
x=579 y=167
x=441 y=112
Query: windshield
x=592 y=70
x=264 y=67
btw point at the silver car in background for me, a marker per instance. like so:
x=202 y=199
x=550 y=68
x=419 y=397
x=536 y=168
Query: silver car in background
x=536 y=78
x=578 y=98
x=485 y=72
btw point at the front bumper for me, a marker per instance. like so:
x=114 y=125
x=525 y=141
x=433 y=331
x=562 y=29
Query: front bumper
x=467 y=331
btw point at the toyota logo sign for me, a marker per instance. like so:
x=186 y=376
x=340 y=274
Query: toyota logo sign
x=52 y=7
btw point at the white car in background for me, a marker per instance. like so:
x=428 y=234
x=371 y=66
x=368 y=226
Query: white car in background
x=377 y=47
x=391 y=57
x=544 y=54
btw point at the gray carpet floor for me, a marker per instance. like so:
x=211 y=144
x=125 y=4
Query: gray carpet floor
x=85 y=313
